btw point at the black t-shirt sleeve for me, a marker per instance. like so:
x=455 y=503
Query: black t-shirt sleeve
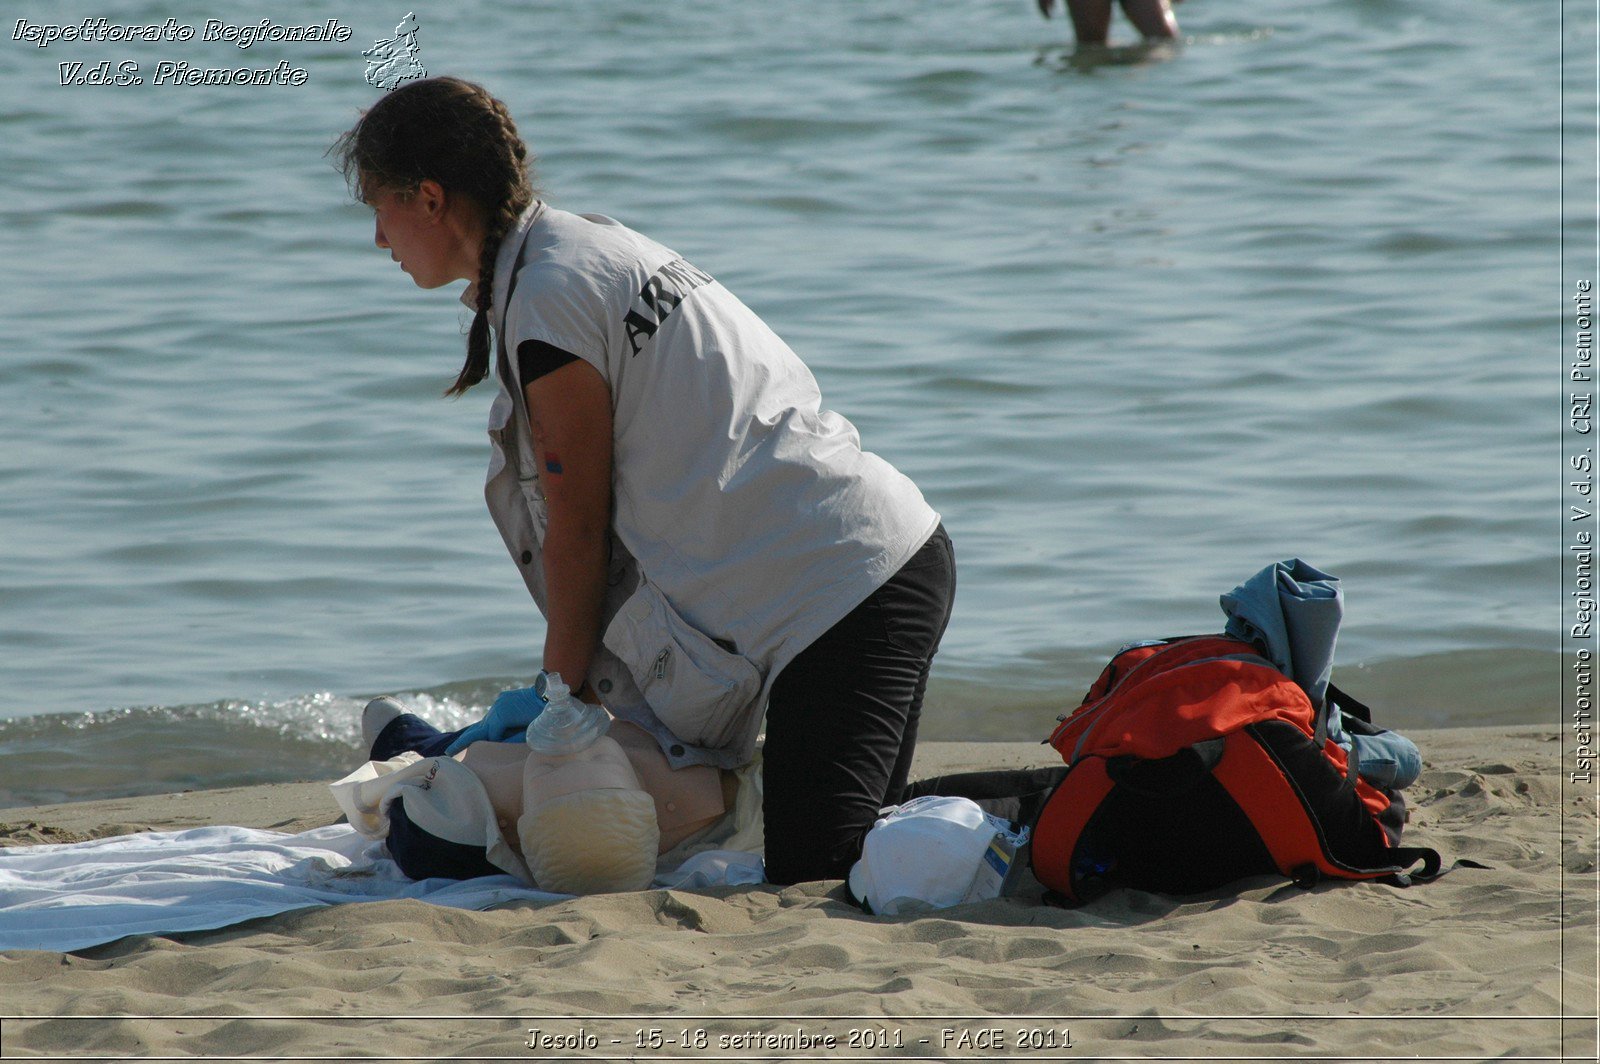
x=535 y=358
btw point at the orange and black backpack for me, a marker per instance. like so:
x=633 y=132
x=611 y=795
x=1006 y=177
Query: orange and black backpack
x=1193 y=762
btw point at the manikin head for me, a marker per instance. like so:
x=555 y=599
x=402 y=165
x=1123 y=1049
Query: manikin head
x=587 y=825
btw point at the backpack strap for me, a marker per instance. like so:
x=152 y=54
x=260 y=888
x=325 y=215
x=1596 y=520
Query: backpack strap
x=1406 y=856
x=1337 y=701
x=1358 y=710
x=1309 y=875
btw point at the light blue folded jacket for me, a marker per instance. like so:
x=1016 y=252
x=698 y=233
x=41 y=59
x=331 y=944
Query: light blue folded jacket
x=1292 y=611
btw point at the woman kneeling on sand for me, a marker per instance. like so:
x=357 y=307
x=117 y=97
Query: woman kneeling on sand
x=714 y=552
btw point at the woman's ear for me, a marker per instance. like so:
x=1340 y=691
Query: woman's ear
x=430 y=200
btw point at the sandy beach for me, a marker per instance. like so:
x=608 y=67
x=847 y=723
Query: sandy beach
x=1480 y=964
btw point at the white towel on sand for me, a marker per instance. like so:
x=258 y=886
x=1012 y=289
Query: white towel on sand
x=68 y=897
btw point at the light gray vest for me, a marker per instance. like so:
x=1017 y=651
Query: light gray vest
x=746 y=519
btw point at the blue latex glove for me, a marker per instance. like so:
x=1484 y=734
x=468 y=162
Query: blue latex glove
x=506 y=720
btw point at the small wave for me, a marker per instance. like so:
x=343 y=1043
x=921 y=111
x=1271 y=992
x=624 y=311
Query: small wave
x=786 y=129
x=135 y=750
x=943 y=87
x=117 y=209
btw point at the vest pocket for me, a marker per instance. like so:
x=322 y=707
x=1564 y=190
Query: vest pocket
x=695 y=687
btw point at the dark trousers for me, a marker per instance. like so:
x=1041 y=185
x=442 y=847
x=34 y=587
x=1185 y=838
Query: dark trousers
x=842 y=720
x=421 y=854
x=410 y=733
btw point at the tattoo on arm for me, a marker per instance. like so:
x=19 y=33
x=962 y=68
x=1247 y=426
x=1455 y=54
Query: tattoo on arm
x=552 y=463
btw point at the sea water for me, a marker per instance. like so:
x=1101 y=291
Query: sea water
x=1138 y=321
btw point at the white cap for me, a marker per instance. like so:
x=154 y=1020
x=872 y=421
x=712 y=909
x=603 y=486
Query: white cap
x=925 y=854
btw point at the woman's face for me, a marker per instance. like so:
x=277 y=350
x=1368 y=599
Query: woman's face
x=414 y=230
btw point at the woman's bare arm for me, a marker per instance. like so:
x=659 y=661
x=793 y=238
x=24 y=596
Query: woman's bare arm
x=570 y=411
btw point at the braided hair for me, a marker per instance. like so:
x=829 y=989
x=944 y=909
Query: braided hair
x=453 y=132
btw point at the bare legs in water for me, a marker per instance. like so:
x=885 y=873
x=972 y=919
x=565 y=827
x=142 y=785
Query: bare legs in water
x=1091 y=19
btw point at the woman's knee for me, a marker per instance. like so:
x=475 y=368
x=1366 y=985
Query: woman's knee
x=792 y=861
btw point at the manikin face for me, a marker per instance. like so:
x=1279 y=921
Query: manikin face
x=414 y=230
x=595 y=841
x=586 y=825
